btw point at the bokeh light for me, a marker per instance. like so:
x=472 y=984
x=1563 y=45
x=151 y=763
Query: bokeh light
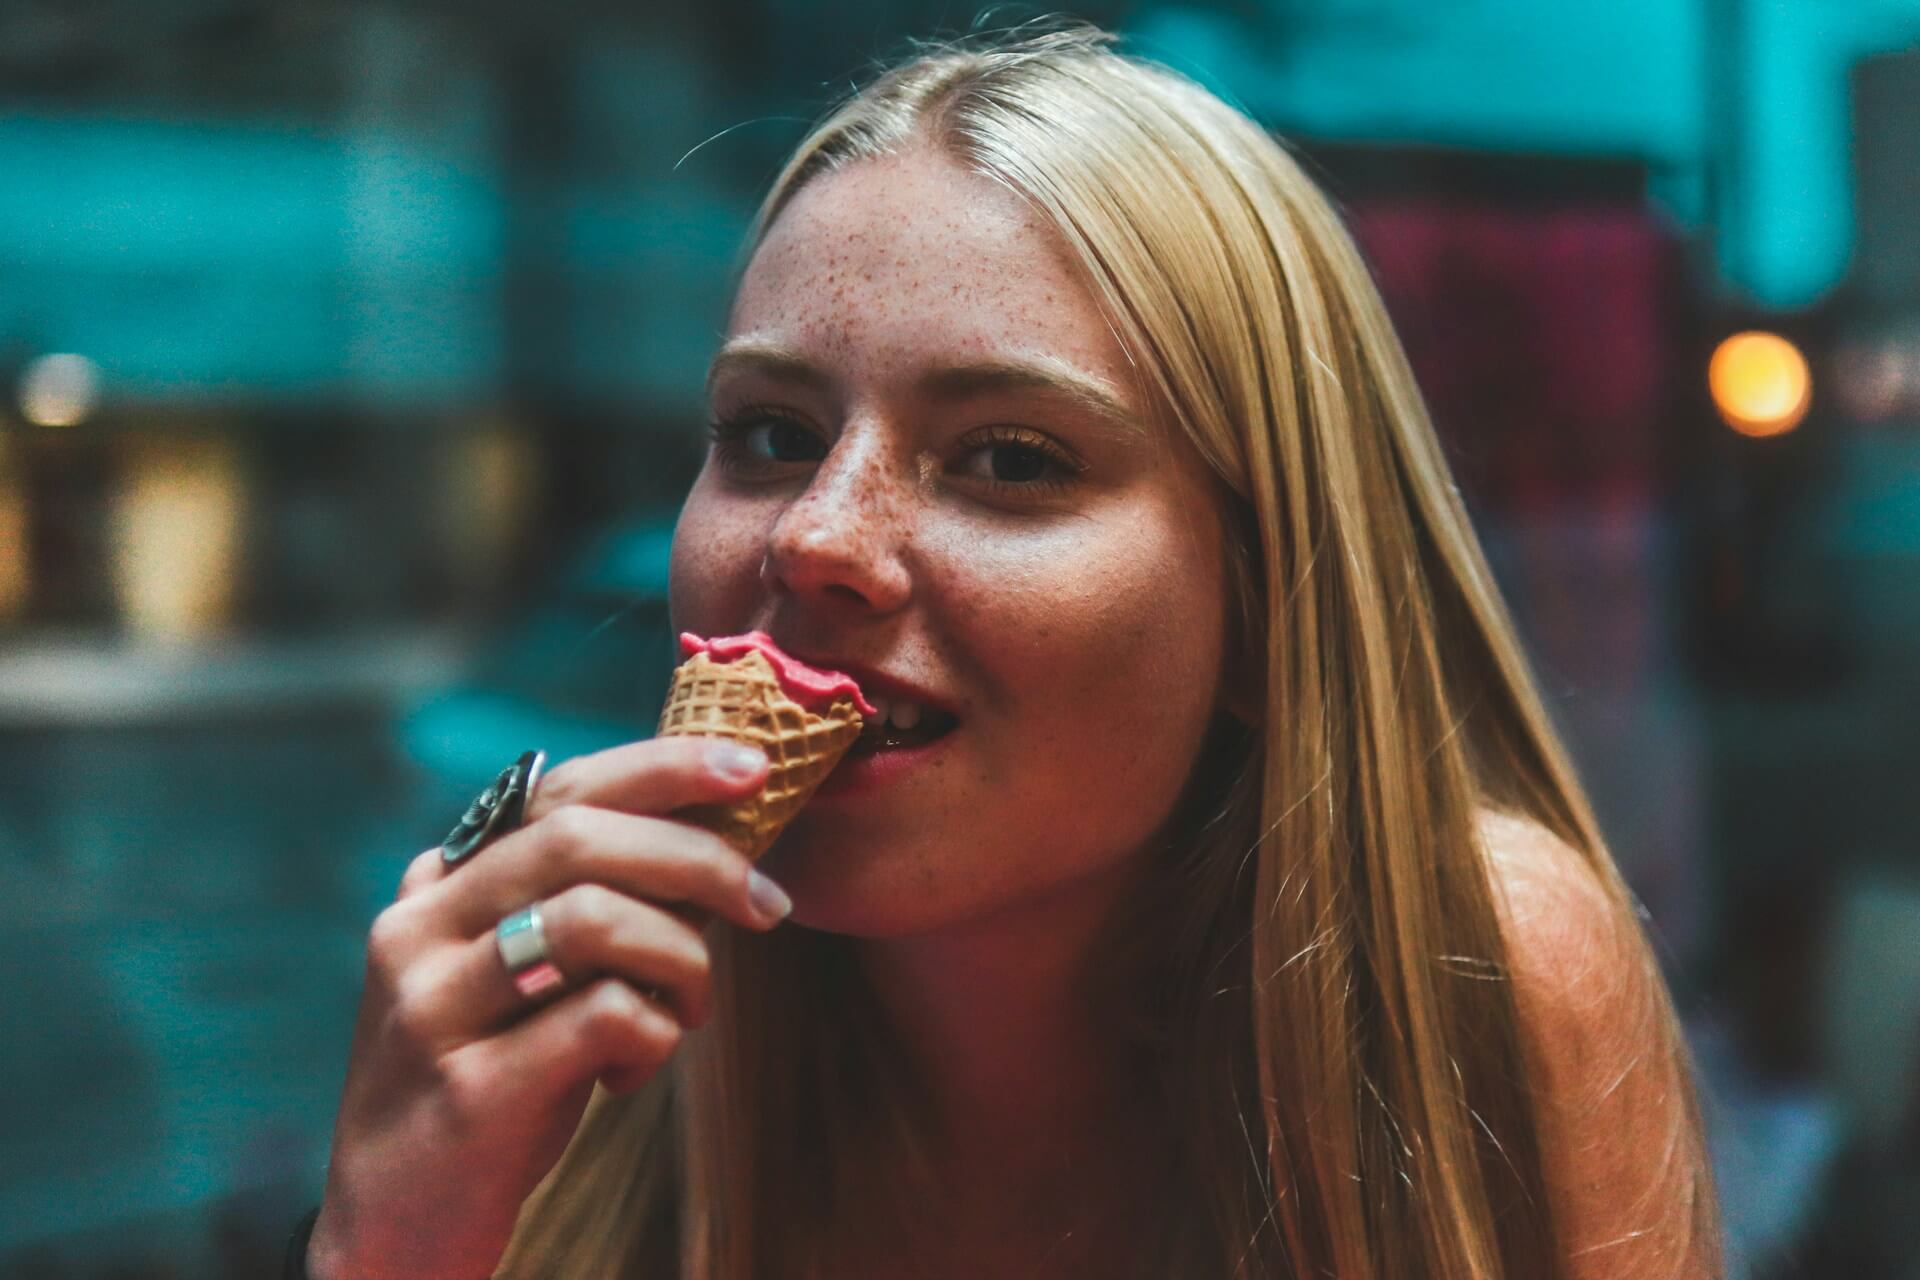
x=175 y=531
x=1873 y=380
x=16 y=580
x=1760 y=383
x=59 y=390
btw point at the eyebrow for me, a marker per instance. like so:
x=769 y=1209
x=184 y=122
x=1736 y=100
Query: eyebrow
x=1047 y=374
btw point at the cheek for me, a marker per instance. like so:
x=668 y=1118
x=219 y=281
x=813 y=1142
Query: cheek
x=1091 y=612
x=1093 y=646
x=714 y=568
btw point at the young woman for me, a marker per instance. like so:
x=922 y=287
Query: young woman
x=1247 y=922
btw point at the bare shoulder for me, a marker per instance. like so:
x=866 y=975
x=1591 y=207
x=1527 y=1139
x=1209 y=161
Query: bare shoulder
x=1624 y=1159
x=1562 y=923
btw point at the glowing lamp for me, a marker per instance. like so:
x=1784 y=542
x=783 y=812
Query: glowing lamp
x=1760 y=384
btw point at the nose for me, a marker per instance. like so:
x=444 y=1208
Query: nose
x=842 y=539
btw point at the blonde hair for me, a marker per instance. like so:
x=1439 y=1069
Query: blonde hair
x=1327 y=999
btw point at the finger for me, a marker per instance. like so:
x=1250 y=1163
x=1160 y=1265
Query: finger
x=653 y=859
x=591 y=932
x=603 y=1029
x=652 y=777
x=655 y=776
x=425 y=869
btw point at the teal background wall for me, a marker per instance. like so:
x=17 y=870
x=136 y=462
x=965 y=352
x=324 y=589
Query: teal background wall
x=362 y=256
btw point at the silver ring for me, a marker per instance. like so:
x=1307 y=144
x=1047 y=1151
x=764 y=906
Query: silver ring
x=495 y=811
x=522 y=943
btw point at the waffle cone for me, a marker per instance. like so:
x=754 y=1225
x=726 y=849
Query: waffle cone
x=742 y=700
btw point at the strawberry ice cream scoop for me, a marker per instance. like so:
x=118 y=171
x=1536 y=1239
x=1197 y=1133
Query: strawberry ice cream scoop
x=811 y=687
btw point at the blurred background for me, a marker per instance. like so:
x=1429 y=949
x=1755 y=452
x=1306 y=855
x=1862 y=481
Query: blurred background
x=350 y=370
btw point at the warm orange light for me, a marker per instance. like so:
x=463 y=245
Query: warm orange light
x=15 y=581
x=1760 y=384
x=176 y=526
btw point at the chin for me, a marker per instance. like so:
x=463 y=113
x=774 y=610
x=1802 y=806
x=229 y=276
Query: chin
x=840 y=891
x=868 y=921
x=846 y=880
x=894 y=891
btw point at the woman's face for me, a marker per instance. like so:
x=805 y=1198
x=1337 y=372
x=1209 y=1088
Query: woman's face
x=934 y=462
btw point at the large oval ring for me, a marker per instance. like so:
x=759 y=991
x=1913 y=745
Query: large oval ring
x=495 y=811
x=523 y=949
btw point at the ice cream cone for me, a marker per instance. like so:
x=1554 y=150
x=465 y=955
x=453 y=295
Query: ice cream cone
x=743 y=700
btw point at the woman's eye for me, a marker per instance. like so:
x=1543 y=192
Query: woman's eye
x=1010 y=459
x=756 y=438
x=1017 y=464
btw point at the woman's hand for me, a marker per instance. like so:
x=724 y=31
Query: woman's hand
x=461 y=1093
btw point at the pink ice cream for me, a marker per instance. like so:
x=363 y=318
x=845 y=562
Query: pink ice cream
x=811 y=687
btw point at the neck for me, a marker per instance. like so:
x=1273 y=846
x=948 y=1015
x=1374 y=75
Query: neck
x=1034 y=1099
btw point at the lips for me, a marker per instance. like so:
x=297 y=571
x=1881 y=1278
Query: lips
x=867 y=774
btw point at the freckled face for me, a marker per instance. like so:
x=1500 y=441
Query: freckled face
x=1001 y=539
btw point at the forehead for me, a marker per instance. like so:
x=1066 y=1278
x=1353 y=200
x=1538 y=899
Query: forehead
x=912 y=260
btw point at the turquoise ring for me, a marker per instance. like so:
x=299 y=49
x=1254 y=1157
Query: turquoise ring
x=523 y=949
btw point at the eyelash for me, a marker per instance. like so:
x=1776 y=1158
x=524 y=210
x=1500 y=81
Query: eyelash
x=729 y=433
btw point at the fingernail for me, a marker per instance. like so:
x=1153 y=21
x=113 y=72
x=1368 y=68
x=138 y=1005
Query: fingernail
x=768 y=898
x=736 y=761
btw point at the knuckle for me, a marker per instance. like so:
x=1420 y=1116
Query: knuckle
x=569 y=830
x=684 y=950
x=612 y=1010
x=557 y=786
x=621 y=1022
x=674 y=849
x=389 y=941
x=695 y=960
x=421 y=872
x=411 y=1008
x=730 y=871
x=587 y=913
x=468 y=1089
x=657 y=1037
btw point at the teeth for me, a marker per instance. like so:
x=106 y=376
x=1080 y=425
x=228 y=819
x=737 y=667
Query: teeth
x=901 y=716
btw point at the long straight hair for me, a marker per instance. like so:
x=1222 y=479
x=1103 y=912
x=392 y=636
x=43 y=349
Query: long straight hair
x=1320 y=976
